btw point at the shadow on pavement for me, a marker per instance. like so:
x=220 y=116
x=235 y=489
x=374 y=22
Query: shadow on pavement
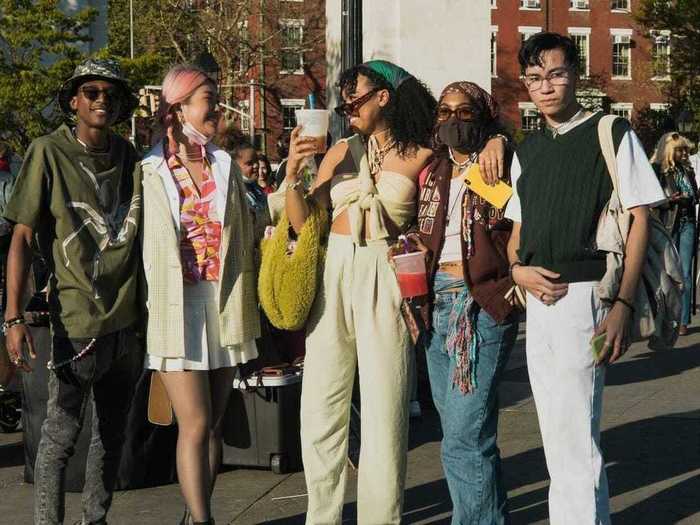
x=638 y=455
x=420 y=503
x=654 y=365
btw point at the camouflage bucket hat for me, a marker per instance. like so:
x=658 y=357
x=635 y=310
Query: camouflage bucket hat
x=98 y=69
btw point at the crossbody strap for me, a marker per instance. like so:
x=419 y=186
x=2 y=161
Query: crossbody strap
x=607 y=146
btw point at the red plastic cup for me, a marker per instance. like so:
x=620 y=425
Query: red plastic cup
x=411 y=274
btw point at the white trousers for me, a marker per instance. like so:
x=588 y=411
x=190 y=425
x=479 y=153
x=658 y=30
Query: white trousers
x=355 y=323
x=568 y=390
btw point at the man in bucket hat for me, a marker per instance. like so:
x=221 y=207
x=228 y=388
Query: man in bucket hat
x=78 y=196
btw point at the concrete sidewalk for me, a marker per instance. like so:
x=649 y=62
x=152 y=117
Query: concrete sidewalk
x=651 y=439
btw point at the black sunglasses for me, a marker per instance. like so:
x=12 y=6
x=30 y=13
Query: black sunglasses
x=350 y=108
x=92 y=93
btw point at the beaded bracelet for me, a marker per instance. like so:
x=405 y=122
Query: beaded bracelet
x=12 y=322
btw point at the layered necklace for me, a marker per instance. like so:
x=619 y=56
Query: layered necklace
x=461 y=166
x=376 y=153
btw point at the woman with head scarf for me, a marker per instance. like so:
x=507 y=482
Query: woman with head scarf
x=198 y=262
x=670 y=161
x=472 y=326
x=370 y=183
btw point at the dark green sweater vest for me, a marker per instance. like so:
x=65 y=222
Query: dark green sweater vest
x=563 y=188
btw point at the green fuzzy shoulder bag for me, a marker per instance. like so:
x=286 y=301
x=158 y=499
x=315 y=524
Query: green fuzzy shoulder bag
x=288 y=282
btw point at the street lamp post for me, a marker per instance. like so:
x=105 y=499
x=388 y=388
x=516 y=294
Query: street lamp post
x=131 y=55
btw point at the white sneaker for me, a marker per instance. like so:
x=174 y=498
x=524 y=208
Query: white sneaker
x=414 y=409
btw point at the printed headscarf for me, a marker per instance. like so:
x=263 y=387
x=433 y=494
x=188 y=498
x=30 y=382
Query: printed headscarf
x=482 y=102
x=393 y=74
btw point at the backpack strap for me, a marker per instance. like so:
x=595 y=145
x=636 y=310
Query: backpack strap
x=607 y=146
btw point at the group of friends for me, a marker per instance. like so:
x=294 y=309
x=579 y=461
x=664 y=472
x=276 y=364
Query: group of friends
x=162 y=251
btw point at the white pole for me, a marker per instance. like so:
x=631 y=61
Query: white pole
x=251 y=105
x=131 y=54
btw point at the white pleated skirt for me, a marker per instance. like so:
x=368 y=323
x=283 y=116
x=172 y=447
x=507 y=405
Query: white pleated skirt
x=203 y=350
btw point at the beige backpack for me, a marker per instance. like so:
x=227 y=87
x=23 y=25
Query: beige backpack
x=658 y=300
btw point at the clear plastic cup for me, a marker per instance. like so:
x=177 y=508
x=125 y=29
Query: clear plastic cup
x=411 y=274
x=314 y=123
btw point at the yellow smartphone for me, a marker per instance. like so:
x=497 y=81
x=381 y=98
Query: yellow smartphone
x=597 y=344
x=497 y=195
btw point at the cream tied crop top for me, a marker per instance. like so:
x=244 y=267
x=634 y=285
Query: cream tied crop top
x=393 y=195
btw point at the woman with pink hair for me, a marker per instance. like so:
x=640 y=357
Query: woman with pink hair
x=200 y=285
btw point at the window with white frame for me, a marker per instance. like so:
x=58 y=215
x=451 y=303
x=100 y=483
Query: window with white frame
x=529 y=116
x=661 y=107
x=582 y=38
x=621 y=53
x=622 y=109
x=289 y=107
x=493 y=4
x=528 y=31
x=494 y=51
x=661 y=54
x=530 y=4
x=620 y=5
x=292 y=37
x=579 y=5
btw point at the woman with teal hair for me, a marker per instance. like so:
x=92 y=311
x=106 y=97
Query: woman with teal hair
x=370 y=183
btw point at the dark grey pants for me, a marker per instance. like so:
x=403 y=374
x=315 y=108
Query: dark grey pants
x=109 y=372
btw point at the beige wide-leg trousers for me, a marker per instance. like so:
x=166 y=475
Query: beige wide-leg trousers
x=356 y=322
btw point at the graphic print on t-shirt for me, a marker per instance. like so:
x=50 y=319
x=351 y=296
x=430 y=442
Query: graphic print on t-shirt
x=110 y=224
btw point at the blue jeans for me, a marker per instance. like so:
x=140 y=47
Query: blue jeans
x=684 y=239
x=470 y=455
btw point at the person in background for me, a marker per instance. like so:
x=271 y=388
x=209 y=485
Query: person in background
x=265 y=175
x=282 y=153
x=679 y=215
x=10 y=165
x=202 y=311
x=246 y=157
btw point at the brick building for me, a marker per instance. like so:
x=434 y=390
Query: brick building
x=623 y=69
x=283 y=79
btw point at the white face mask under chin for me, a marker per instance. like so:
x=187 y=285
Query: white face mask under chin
x=195 y=136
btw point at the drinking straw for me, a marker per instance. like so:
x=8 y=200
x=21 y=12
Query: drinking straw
x=404 y=240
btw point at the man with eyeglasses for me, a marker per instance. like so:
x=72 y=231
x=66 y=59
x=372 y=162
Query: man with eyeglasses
x=78 y=199
x=561 y=186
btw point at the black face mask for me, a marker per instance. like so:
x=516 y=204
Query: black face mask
x=465 y=137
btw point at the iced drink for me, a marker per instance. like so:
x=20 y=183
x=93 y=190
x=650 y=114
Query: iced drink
x=410 y=272
x=314 y=123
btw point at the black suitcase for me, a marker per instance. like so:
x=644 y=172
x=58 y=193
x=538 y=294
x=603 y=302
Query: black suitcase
x=148 y=456
x=261 y=425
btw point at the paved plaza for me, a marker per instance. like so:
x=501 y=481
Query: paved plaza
x=651 y=440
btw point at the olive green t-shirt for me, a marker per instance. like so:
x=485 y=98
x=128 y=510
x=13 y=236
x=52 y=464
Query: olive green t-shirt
x=85 y=209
